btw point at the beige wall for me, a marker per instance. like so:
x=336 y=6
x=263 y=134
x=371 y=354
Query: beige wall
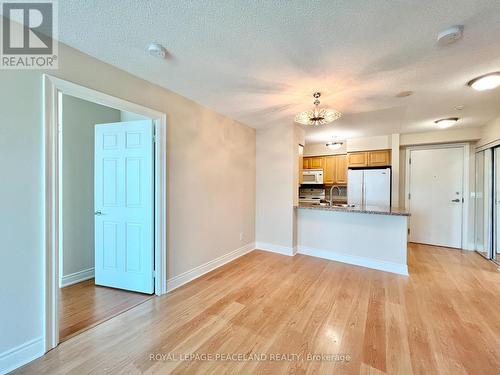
x=441 y=136
x=78 y=120
x=211 y=182
x=320 y=149
x=276 y=153
x=490 y=133
x=381 y=142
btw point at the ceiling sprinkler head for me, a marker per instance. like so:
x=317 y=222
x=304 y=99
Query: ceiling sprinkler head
x=157 y=50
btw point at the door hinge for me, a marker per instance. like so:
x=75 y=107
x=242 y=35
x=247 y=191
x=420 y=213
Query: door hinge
x=154 y=274
x=409 y=195
x=409 y=162
x=408 y=231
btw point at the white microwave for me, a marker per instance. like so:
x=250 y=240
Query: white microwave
x=312 y=177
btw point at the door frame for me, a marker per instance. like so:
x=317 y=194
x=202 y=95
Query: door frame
x=53 y=87
x=465 y=184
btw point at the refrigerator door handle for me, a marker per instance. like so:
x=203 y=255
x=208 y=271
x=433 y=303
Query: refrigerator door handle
x=363 y=190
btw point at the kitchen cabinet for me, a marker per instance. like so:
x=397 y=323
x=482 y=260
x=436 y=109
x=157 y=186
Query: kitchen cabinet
x=357 y=159
x=329 y=173
x=306 y=162
x=378 y=158
x=317 y=163
x=335 y=169
x=314 y=162
x=340 y=169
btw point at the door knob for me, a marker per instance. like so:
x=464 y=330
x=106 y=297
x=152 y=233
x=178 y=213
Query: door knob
x=98 y=213
x=455 y=200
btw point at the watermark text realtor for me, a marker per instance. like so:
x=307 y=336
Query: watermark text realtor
x=29 y=34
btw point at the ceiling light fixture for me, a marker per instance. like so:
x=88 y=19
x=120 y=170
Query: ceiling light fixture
x=317 y=116
x=157 y=50
x=446 y=122
x=334 y=145
x=450 y=35
x=485 y=82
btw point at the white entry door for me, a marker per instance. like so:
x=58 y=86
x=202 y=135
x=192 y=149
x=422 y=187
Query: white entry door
x=436 y=196
x=123 y=200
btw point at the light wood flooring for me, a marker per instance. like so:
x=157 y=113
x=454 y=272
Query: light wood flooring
x=442 y=319
x=84 y=305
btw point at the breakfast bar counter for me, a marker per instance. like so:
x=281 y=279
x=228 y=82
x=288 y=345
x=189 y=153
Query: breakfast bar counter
x=373 y=237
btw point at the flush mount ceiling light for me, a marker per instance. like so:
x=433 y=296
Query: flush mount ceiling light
x=485 y=82
x=334 y=145
x=446 y=122
x=450 y=35
x=157 y=50
x=317 y=116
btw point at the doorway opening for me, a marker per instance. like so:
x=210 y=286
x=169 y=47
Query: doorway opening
x=106 y=257
x=105 y=207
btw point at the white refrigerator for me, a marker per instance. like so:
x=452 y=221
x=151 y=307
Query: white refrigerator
x=369 y=187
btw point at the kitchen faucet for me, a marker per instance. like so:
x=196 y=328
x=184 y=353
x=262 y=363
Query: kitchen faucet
x=331 y=194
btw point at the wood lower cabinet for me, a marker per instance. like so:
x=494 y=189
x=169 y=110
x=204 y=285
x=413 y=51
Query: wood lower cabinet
x=378 y=158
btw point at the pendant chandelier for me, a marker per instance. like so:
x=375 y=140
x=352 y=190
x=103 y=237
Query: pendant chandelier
x=317 y=116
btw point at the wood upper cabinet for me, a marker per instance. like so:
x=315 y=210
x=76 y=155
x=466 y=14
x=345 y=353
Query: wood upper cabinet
x=306 y=162
x=317 y=163
x=341 y=169
x=313 y=162
x=335 y=169
x=357 y=159
x=329 y=174
x=379 y=158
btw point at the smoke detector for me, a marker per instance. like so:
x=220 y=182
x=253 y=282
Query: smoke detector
x=157 y=50
x=450 y=35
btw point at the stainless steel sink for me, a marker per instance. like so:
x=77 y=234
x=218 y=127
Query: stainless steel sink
x=341 y=205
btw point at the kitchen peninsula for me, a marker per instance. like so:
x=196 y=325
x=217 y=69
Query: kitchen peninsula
x=369 y=236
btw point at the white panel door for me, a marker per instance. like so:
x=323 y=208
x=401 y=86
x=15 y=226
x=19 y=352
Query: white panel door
x=435 y=202
x=377 y=187
x=355 y=187
x=123 y=200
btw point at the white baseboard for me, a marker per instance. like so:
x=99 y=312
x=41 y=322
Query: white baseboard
x=20 y=355
x=381 y=265
x=183 y=278
x=77 y=277
x=279 y=249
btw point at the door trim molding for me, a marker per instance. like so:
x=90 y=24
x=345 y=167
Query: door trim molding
x=53 y=87
x=465 y=183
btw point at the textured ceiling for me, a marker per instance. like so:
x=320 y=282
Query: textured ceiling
x=260 y=61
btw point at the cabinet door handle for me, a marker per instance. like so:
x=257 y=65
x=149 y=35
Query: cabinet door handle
x=456 y=200
x=98 y=213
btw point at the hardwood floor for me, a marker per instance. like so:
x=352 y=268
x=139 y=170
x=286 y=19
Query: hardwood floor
x=84 y=305
x=442 y=319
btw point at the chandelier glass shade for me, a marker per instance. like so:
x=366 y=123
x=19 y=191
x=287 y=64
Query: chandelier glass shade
x=317 y=116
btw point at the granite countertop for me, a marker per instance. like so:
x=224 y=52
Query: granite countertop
x=374 y=210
